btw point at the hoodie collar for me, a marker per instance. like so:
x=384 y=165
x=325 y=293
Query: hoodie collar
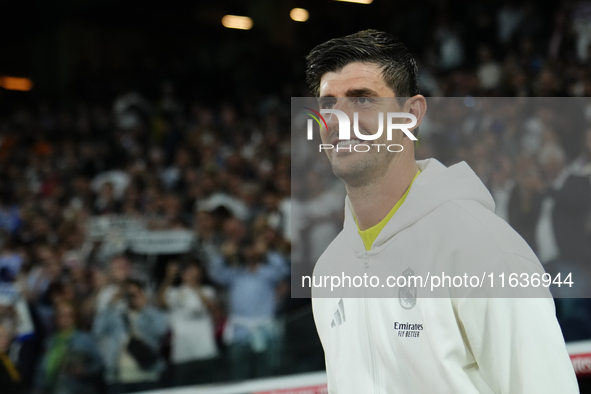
x=435 y=185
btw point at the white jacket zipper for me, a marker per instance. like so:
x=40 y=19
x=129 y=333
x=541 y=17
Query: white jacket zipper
x=374 y=368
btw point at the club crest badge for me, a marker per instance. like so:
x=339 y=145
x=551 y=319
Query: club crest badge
x=407 y=295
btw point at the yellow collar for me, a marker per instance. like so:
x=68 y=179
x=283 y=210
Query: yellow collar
x=369 y=236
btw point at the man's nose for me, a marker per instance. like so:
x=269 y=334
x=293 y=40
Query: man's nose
x=332 y=121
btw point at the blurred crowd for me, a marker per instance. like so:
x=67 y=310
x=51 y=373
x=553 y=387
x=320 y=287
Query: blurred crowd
x=83 y=310
x=512 y=48
x=80 y=306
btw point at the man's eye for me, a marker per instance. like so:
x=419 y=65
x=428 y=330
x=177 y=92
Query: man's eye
x=327 y=105
x=362 y=100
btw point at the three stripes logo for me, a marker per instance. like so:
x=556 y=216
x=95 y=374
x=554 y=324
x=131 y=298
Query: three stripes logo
x=339 y=315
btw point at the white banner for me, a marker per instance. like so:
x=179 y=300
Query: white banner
x=100 y=226
x=162 y=242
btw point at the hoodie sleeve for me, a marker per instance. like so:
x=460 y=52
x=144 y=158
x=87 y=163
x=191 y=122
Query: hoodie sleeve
x=518 y=345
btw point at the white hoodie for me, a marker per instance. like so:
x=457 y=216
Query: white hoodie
x=460 y=345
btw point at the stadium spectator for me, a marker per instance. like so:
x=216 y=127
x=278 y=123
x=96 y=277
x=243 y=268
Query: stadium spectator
x=120 y=271
x=489 y=71
x=562 y=232
x=501 y=186
x=17 y=317
x=525 y=201
x=11 y=379
x=10 y=220
x=252 y=331
x=71 y=363
x=322 y=213
x=39 y=284
x=190 y=307
x=564 y=240
x=129 y=335
x=582 y=165
x=106 y=201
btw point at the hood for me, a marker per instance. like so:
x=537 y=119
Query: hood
x=434 y=186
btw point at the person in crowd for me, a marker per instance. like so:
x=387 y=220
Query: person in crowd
x=564 y=242
x=525 y=200
x=106 y=202
x=130 y=334
x=210 y=238
x=120 y=271
x=501 y=185
x=11 y=379
x=582 y=165
x=252 y=331
x=321 y=213
x=25 y=338
x=190 y=307
x=561 y=231
x=10 y=219
x=71 y=363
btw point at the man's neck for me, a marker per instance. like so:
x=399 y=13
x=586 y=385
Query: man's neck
x=372 y=202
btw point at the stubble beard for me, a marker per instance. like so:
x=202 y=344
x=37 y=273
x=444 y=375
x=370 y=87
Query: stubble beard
x=363 y=170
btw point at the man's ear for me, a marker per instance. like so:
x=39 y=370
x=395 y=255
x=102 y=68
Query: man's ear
x=416 y=105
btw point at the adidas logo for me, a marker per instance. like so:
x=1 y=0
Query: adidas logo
x=339 y=315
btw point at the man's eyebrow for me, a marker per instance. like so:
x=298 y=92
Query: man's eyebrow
x=361 y=93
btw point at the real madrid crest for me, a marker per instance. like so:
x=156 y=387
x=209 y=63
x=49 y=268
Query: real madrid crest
x=407 y=295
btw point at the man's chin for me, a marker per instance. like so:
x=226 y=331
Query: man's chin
x=358 y=169
x=351 y=173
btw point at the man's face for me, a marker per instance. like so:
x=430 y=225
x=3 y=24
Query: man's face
x=5 y=339
x=135 y=297
x=120 y=269
x=552 y=168
x=359 y=87
x=64 y=317
x=192 y=275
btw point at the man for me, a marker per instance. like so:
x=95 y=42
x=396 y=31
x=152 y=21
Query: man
x=561 y=232
x=564 y=245
x=71 y=363
x=120 y=271
x=420 y=212
x=129 y=335
x=11 y=380
x=252 y=332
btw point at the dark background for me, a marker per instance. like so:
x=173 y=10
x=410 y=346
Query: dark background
x=93 y=49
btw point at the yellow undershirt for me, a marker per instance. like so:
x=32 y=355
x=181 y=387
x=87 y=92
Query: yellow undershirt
x=369 y=236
